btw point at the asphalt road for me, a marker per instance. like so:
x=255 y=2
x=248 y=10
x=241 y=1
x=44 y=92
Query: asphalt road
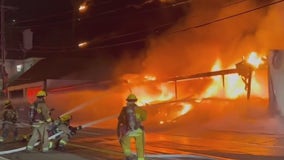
x=242 y=137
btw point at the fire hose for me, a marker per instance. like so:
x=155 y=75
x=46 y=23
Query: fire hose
x=24 y=148
x=59 y=133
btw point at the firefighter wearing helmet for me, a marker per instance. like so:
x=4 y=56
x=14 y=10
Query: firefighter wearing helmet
x=40 y=120
x=130 y=126
x=10 y=118
x=62 y=124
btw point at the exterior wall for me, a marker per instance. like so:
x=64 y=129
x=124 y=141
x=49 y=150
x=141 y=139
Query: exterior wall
x=22 y=96
x=276 y=81
x=11 y=67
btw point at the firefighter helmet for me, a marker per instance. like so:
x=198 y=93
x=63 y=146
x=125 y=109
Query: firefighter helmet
x=7 y=102
x=131 y=97
x=41 y=94
x=65 y=117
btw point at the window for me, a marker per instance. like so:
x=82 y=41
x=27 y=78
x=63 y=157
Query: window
x=17 y=93
x=19 y=68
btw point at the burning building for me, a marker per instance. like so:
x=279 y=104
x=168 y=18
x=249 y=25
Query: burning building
x=212 y=38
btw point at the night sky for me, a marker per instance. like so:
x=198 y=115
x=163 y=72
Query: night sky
x=165 y=38
x=110 y=26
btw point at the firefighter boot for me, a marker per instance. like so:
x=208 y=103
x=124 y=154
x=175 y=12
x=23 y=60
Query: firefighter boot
x=60 y=147
x=131 y=157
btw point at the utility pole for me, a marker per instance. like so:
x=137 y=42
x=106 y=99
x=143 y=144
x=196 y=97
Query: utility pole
x=3 y=51
x=4 y=75
x=75 y=4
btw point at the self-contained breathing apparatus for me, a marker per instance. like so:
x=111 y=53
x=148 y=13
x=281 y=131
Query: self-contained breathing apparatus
x=35 y=112
x=130 y=117
x=10 y=115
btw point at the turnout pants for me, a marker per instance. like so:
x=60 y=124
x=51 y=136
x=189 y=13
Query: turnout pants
x=138 y=135
x=7 y=128
x=39 y=134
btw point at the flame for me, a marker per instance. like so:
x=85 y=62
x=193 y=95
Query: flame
x=176 y=110
x=215 y=86
x=186 y=108
x=150 y=78
x=147 y=94
x=234 y=86
x=160 y=92
x=254 y=60
x=163 y=92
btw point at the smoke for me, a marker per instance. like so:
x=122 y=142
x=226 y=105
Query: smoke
x=89 y=104
x=217 y=30
x=196 y=49
x=213 y=30
x=188 y=52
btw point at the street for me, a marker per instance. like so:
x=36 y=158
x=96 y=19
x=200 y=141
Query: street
x=187 y=137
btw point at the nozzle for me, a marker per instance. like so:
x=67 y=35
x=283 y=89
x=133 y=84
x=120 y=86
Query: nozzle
x=79 y=127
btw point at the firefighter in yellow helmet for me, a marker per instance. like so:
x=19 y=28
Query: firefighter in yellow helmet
x=62 y=124
x=40 y=119
x=10 y=117
x=130 y=126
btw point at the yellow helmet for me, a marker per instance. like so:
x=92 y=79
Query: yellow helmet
x=131 y=97
x=7 y=102
x=65 y=117
x=41 y=94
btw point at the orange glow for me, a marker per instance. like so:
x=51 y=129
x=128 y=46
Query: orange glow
x=198 y=100
x=150 y=78
x=234 y=86
x=147 y=96
x=83 y=7
x=254 y=59
x=186 y=108
x=215 y=86
x=82 y=44
x=31 y=93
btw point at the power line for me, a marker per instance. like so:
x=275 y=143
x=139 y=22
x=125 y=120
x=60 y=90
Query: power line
x=45 y=17
x=229 y=17
x=57 y=14
x=181 y=30
x=154 y=29
x=85 y=18
x=194 y=27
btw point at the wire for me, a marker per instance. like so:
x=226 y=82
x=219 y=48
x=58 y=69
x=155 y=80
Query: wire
x=56 y=15
x=229 y=17
x=96 y=16
x=154 y=29
x=91 y=17
x=43 y=18
x=194 y=27
x=184 y=29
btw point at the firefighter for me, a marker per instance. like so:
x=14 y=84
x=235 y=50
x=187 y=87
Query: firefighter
x=10 y=118
x=130 y=126
x=40 y=120
x=62 y=124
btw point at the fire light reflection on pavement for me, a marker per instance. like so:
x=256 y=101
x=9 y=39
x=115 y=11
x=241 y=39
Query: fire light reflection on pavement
x=214 y=129
x=234 y=135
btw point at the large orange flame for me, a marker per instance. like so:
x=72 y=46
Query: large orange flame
x=159 y=92
x=234 y=86
x=254 y=59
x=147 y=95
x=186 y=108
